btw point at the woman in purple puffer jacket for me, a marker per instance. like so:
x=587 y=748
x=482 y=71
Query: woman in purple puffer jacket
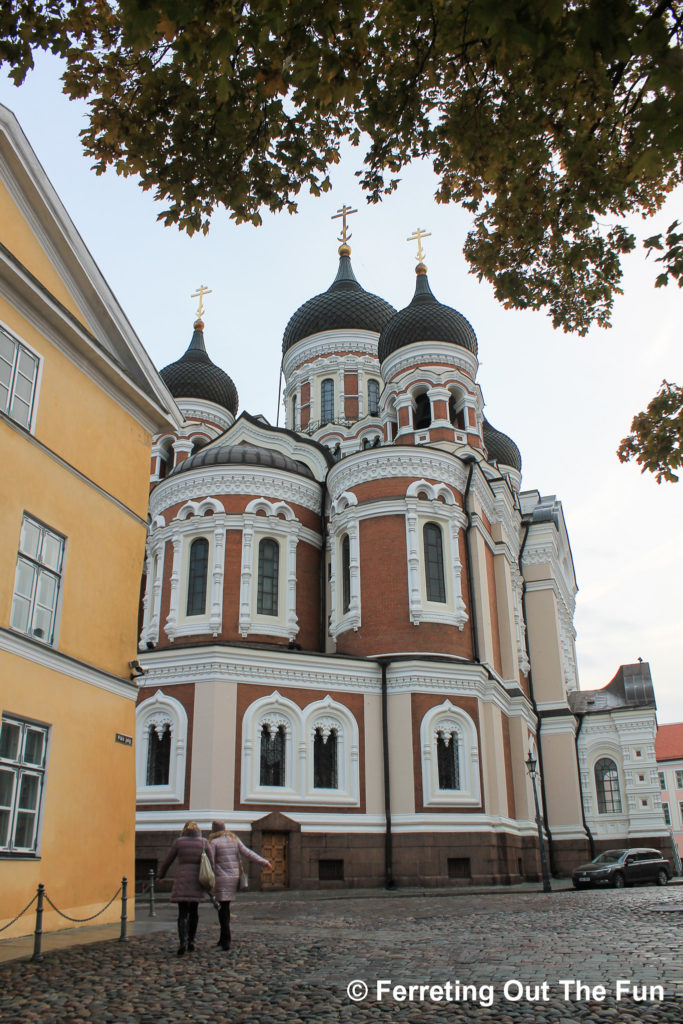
x=187 y=892
x=227 y=850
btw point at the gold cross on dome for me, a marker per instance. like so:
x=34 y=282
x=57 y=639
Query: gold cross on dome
x=199 y=294
x=345 y=212
x=417 y=236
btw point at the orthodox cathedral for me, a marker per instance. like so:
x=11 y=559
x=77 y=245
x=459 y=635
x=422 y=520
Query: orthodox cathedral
x=356 y=634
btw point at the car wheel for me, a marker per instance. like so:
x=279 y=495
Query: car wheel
x=619 y=882
x=662 y=877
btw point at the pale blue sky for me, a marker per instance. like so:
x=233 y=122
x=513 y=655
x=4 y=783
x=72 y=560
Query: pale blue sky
x=566 y=401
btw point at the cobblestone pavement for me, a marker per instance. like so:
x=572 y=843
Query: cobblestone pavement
x=292 y=961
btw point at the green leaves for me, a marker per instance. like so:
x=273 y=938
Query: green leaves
x=655 y=439
x=548 y=120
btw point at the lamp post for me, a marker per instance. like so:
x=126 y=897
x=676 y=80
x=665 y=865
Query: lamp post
x=531 y=769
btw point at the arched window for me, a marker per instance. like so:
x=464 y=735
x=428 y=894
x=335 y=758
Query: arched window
x=196 y=581
x=607 y=786
x=433 y=553
x=373 y=397
x=422 y=414
x=272 y=755
x=456 y=418
x=325 y=775
x=159 y=755
x=268 y=569
x=327 y=400
x=448 y=759
x=294 y=412
x=346 y=573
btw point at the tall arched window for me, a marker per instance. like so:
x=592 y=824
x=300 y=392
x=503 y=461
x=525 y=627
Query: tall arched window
x=327 y=400
x=456 y=418
x=448 y=759
x=294 y=412
x=433 y=553
x=607 y=786
x=346 y=573
x=196 y=581
x=373 y=397
x=159 y=755
x=272 y=755
x=422 y=414
x=268 y=569
x=325 y=775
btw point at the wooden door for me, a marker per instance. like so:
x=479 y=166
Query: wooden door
x=274 y=849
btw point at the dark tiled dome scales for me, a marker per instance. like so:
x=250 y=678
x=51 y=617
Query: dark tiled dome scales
x=242 y=455
x=501 y=448
x=426 y=319
x=344 y=306
x=194 y=375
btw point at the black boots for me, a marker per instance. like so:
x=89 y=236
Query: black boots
x=224 y=922
x=182 y=935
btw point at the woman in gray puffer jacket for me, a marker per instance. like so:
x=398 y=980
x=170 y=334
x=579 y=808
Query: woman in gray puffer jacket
x=187 y=892
x=227 y=850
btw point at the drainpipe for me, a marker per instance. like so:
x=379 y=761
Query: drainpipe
x=389 y=882
x=591 y=840
x=468 y=548
x=551 y=851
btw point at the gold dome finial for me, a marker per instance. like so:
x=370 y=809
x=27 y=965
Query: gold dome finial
x=346 y=211
x=199 y=294
x=417 y=236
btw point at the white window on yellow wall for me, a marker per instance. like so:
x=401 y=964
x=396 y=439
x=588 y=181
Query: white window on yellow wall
x=18 y=379
x=23 y=759
x=38 y=579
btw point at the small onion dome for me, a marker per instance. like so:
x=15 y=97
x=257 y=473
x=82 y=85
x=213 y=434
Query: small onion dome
x=501 y=448
x=242 y=455
x=426 y=319
x=344 y=306
x=194 y=375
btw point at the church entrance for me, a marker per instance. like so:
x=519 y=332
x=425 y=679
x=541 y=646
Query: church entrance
x=274 y=848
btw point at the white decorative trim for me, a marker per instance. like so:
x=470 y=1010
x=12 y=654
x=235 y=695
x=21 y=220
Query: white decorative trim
x=286 y=532
x=448 y=716
x=158 y=712
x=345 y=519
x=423 y=354
x=390 y=462
x=450 y=518
x=318 y=347
x=206 y=412
x=220 y=480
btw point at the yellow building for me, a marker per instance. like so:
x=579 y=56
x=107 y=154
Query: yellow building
x=80 y=401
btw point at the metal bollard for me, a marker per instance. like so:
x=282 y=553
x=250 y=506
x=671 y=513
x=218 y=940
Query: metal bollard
x=124 y=910
x=38 y=933
x=152 y=911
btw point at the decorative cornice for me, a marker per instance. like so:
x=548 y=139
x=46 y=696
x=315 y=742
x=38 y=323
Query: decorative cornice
x=64 y=664
x=324 y=343
x=385 y=463
x=221 y=480
x=424 y=354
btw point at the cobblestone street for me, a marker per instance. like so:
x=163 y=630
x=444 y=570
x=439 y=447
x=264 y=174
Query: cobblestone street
x=293 y=958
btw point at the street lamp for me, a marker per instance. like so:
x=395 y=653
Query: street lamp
x=531 y=769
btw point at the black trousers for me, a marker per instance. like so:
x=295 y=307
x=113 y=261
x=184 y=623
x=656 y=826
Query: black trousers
x=224 y=922
x=188 y=918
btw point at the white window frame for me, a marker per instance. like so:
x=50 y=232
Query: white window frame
x=158 y=712
x=6 y=406
x=679 y=778
x=280 y=524
x=275 y=711
x=300 y=725
x=434 y=503
x=344 y=519
x=39 y=568
x=609 y=755
x=18 y=767
x=328 y=714
x=191 y=523
x=449 y=717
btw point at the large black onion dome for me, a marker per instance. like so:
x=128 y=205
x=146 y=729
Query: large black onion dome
x=242 y=455
x=501 y=448
x=426 y=319
x=194 y=375
x=344 y=306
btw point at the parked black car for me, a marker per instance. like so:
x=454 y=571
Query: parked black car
x=623 y=867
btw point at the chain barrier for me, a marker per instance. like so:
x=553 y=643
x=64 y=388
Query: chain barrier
x=41 y=896
x=82 y=920
x=20 y=914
